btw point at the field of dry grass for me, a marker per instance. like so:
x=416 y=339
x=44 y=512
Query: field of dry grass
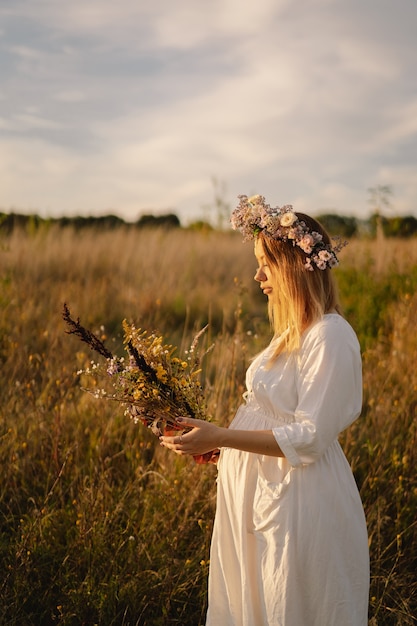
x=99 y=525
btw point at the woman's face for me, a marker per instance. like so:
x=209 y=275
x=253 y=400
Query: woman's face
x=263 y=274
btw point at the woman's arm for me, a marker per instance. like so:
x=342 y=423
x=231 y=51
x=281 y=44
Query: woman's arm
x=205 y=437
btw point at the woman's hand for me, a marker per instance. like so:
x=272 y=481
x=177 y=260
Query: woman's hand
x=204 y=437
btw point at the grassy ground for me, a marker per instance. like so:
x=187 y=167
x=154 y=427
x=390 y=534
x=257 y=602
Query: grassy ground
x=98 y=524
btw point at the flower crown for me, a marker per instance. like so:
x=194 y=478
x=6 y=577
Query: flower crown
x=254 y=215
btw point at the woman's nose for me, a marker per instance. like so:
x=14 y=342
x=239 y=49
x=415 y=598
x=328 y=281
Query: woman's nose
x=259 y=275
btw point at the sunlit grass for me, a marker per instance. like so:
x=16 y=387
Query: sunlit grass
x=99 y=525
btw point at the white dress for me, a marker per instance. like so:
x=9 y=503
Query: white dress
x=289 y=545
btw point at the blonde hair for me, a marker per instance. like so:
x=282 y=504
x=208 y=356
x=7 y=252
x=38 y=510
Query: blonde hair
x=299 y=297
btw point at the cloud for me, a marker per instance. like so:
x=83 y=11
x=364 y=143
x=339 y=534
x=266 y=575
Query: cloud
x=131 y=105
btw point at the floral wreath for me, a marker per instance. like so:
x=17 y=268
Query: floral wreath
x=254 y=215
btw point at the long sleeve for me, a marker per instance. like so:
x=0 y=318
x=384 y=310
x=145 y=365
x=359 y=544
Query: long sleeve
x=329 y=387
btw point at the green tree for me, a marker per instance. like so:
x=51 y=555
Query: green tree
x=339 y=224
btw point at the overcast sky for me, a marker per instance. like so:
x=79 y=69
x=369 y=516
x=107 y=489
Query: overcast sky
x=134 y=106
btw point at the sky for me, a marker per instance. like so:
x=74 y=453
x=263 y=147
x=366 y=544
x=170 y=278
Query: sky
x=137 y=106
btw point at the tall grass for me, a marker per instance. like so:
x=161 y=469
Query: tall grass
x=98 y=524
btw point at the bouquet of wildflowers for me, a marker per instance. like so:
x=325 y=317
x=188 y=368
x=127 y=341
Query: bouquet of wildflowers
x=154 y=384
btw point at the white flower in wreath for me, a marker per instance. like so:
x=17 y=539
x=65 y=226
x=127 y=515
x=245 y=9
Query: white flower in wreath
x=321 y=264
x=288 y=219
x=306 y=243
x=325 y=255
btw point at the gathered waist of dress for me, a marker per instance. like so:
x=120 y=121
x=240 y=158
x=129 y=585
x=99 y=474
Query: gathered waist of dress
x=253 y=416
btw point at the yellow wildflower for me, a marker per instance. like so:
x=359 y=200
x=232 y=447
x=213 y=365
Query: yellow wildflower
x=161 y=373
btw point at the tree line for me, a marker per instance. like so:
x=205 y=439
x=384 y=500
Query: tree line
x=398 y=226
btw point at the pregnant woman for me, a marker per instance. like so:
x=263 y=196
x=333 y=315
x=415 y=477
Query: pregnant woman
x=289 y=545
